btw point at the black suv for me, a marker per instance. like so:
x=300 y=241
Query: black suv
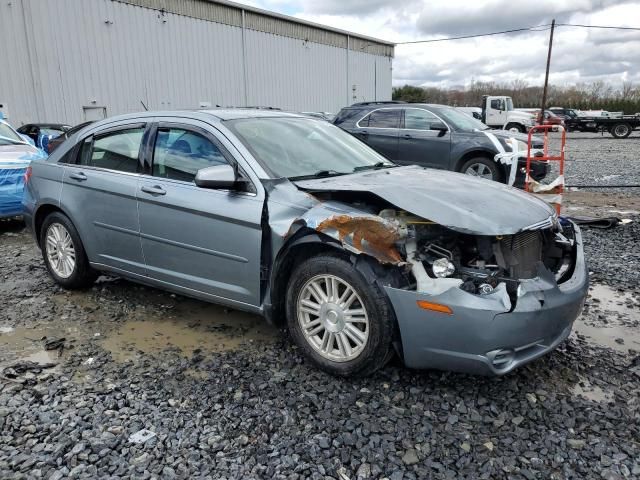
x=436 y=136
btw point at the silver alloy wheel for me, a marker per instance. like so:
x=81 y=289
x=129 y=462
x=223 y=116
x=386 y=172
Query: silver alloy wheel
x=514 y=130
x=479 y=170
x=333 y=318
x=621 y=130
x=60 y=250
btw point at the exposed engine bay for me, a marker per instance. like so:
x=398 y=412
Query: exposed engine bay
x=435 y=258
x=440 y=257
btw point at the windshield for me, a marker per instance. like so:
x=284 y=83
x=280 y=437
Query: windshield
x=299 y=147
x=509 y=104
x=460 y=120
x=8 y=136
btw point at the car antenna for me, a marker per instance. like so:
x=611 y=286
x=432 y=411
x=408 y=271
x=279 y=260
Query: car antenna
x=144 y=106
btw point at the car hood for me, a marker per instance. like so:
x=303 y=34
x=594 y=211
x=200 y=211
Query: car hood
x=16 y=155
x=523 y=137
x=457 y=201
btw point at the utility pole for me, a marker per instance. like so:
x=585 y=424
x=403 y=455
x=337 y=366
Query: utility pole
x=546 y=76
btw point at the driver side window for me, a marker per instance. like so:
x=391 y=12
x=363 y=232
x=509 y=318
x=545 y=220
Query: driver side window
x=497 y=104
x=179 y=153
x=418 y=119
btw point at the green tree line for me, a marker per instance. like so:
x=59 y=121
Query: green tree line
x=584 y=96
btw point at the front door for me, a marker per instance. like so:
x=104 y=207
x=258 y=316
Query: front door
x=419 y=144
x=496 y=114
x=99 y=193
x=195 y=238
x=379 y=130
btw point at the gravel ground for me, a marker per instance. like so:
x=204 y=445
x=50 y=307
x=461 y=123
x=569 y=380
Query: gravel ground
x=602 y=160
x=225 y=396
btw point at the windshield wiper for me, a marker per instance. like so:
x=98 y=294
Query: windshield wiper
x=375 y=166
x=319 y=174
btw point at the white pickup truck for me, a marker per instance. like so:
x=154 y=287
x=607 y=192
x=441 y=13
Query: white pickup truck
x=497 y=112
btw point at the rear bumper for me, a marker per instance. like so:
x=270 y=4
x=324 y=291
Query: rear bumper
x=485 y=335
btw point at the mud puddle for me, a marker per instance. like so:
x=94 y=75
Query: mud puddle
x=592 y=392
x=611 y=300
x=619 y=338
x=614 y=304
x=26 y=345
x=189 y=326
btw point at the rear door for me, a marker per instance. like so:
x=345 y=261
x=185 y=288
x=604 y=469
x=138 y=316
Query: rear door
x=99 y=193
x=195 y=238
x=420 y=145
x=380 y=129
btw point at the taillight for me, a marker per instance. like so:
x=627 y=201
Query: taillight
x=27 y=175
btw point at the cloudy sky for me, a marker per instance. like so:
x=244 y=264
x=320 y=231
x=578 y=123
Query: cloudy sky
x=579 y=55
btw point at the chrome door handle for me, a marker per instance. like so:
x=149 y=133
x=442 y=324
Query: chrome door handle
x=407 y=136
x=155 y=190
x=81 y=177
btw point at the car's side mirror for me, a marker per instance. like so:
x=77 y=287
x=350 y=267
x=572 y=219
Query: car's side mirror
x=440 y=127
x=217 y=177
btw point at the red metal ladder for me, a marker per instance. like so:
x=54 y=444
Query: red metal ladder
x=552 y=192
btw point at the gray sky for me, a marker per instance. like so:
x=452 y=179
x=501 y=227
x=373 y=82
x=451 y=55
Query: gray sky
x=579 y=55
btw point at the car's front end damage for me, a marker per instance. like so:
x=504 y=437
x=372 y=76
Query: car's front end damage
x=473 y=290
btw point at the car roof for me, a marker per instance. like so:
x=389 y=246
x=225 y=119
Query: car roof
x=216 y=114
x=47 y=125
x=376 y=106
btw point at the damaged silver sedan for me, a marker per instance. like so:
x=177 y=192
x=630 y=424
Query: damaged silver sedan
x=293 y=218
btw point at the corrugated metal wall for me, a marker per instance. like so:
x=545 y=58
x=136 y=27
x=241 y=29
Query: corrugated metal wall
x=68 y=56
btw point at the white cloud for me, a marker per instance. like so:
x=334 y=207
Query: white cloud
x=579 y=55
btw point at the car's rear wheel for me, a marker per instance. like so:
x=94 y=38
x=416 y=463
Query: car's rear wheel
x=341 y=322
x=482 y=167
x=64 y=254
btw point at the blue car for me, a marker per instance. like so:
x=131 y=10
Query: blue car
x=16 y=153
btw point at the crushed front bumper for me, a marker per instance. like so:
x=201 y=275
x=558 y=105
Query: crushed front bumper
x=485 y=334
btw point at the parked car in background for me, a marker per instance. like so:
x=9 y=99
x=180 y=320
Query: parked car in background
x=15 y=156
x=549 y=118
x=436 y=136
x=57 y=141
x=292 y=218
x=566 y=112
x=42 y=133
x=321 y=115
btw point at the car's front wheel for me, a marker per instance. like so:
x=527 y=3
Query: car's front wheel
x=64 y=254
x=515 y=128
x=482 y=167
x=341 y=322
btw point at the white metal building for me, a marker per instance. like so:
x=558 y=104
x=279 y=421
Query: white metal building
x=73 y=60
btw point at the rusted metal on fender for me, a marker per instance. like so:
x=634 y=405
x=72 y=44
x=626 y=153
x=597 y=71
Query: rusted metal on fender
x=357 y=231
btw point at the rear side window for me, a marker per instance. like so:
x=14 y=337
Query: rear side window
x=382 y=119
x=418 y=119
x=180 y=153
x=114 y=151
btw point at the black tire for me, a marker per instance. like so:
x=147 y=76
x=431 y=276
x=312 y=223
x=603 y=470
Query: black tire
x=517 y=126
x=82 y=275
x=377 y=350
x=621 y=130
x=490 y=164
